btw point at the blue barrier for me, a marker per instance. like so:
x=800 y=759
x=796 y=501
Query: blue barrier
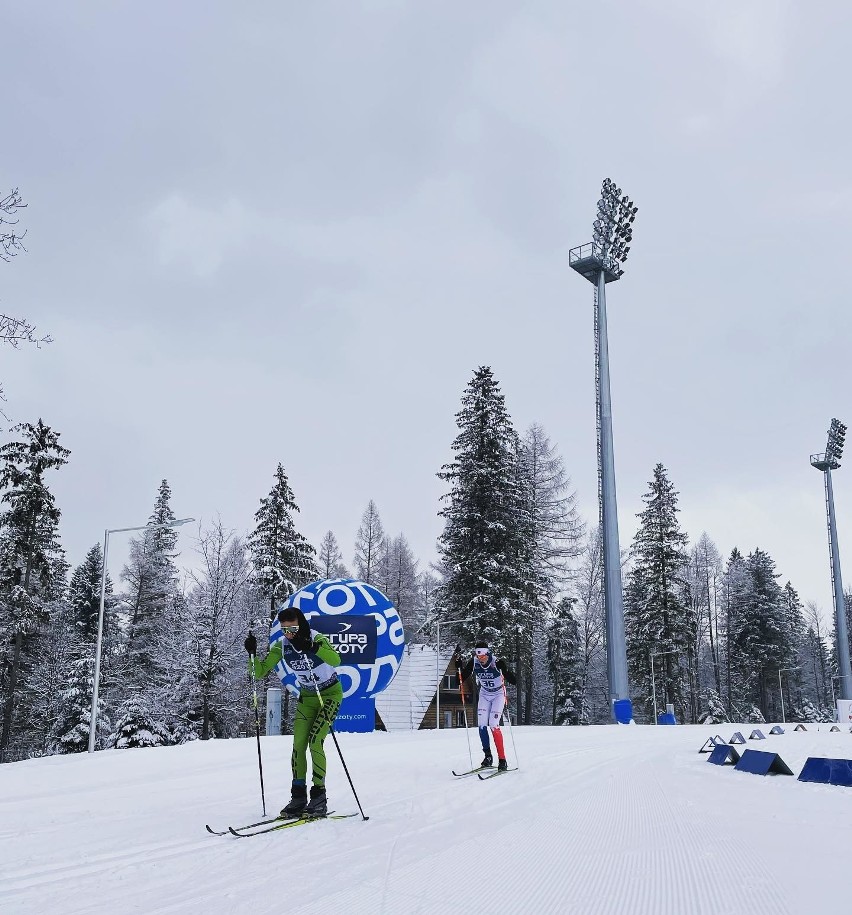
x=737 y=738
x=827 y=771
x=759 y=763
x=777 y=729
x=757 y=734
x=834 y=727
x=723 y=755
x=623 y=711
x=800 y=727
x=708 y=745
x=666 y=718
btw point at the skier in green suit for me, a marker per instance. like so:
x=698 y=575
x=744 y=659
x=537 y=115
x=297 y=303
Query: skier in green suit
x=309 y=655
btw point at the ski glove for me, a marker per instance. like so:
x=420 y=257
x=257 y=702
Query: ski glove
x=303 y=644
x=251 y=644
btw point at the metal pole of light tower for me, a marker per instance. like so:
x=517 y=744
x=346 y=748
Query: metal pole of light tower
x=93 y=715
x=616 y=649
x=825 y=463
x=839 y=600
x=601 y=262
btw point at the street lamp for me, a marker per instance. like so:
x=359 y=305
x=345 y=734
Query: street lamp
x=826 y=463
x=93 y=718
x=780 y=690
x=657 y=654
x=601 y=261
x=438 y=624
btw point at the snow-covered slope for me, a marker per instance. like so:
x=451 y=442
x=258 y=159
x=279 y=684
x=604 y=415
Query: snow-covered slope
x=626 y=820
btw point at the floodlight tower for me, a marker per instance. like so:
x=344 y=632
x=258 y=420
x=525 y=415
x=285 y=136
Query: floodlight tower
x=826 y=463
x=601 y=261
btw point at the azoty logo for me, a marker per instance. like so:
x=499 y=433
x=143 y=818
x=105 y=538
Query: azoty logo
x=361 y=624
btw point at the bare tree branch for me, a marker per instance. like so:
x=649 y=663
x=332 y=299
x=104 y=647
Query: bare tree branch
x=11 y=243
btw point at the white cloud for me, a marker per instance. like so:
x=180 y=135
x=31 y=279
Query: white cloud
x=196 y=236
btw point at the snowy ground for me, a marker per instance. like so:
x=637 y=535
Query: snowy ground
x=627 y=820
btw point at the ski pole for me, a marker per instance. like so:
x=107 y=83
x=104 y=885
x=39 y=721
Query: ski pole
x=509 y=719
x=334 y=737
x=257 y=734
x=464 y=708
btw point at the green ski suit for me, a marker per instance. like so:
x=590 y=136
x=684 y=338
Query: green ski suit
x=314 y=718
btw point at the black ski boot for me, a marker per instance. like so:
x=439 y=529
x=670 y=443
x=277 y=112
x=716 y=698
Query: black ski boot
x=487 y=761
x=298 y=802
x=502 y=765
x=318 y=805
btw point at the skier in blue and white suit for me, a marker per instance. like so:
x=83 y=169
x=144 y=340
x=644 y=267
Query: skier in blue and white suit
x=491 y=674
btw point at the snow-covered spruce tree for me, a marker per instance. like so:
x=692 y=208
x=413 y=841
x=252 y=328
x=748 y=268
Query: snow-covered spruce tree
x=73 y=709
x=330 y=560
x=32 y=563
x=565 y=665
x=733 y=594
x=793 y=681
x=151 y=578
x=138 y=726
x=84 y=594
x=658 y=617
x=485 y=547
x=368 y=544
x=712 y=708
x=760 y=641
x=283 y=560
x=206 y=646
x=554 y=538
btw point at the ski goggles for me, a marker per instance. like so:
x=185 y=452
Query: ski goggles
x=482 y=654
x=290 y=630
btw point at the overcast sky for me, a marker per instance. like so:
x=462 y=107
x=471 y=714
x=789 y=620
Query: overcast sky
x=291 y=231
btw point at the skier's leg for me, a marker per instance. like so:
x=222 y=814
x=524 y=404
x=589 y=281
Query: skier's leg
x=318 y=805
x=482 y=723
x=495 y=712
x=319 y=731
x=298 y=758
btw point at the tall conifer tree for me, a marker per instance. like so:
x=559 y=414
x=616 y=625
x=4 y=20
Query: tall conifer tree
x=658 y=617
x=32 y=563
x=283 y=559
x=485 y=547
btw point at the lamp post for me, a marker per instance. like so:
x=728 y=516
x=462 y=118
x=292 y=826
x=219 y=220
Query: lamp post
x=827 y=462
x=781 y=691
x=657 y=654
x=600 y=262
x=438 y=624
x=93 y=718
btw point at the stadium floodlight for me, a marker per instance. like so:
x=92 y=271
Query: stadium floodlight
x=601 y=261
x=826 y=462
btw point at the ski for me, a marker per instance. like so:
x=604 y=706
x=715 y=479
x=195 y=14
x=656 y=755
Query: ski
x=471 y=771
x=497 y=772
x=224 y=832
x=302 y=821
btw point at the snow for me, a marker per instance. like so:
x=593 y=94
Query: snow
x=627 y=820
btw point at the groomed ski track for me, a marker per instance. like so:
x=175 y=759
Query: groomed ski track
x=626 y=820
